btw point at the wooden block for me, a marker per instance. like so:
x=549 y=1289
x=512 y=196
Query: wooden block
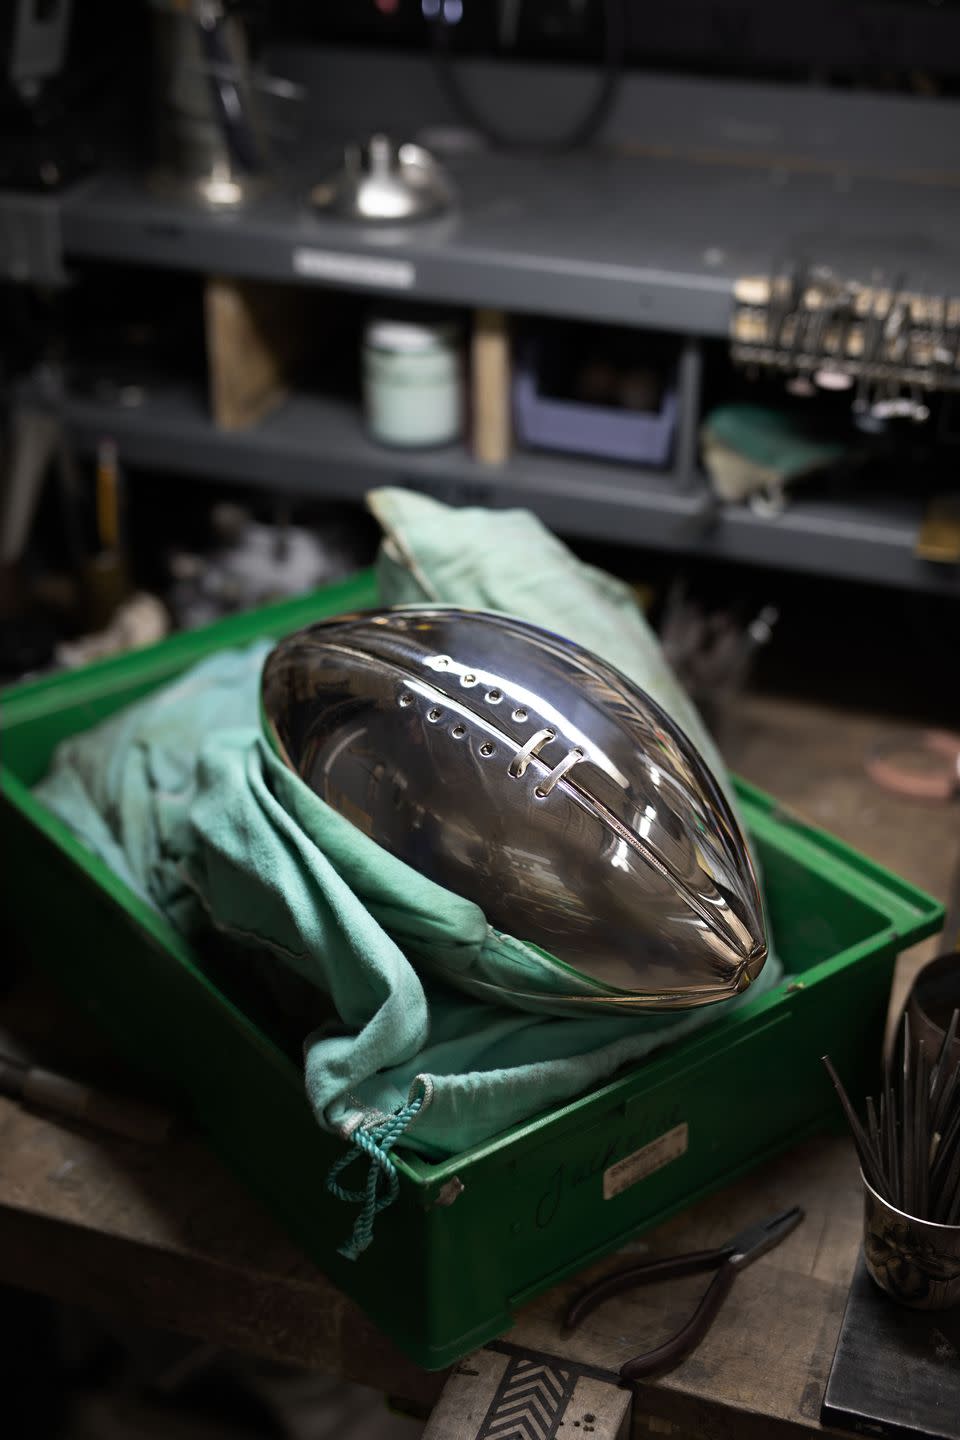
x=508 y=1393
x=253 y=332
x=491 y=374
x=939 y=537
x=467 y=1397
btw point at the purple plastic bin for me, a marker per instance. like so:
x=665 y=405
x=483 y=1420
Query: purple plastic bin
x=551 y=424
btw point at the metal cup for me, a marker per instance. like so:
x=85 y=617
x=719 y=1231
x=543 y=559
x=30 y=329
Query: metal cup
x=915 y=1261
x=934 y=995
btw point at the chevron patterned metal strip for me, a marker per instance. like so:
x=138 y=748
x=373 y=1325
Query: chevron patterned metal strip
x=529 y=1402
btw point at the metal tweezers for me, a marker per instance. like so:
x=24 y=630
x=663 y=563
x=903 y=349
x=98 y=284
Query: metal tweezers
x=726 y=1260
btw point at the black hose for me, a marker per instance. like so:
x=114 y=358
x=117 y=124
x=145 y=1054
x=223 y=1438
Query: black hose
x=587 y=126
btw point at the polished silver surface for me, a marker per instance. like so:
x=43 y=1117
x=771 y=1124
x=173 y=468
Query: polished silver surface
x=917 y=1262
x=522 y=772
x=382 y=181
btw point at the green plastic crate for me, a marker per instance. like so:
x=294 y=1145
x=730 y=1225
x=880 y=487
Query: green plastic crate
x=445 y=1274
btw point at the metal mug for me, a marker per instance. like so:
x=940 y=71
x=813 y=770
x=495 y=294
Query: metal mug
x=209 y=138
x=916 y=1262
x=933 y=997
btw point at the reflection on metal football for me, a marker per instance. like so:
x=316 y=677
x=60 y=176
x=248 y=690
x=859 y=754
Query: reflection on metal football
x=522 y=772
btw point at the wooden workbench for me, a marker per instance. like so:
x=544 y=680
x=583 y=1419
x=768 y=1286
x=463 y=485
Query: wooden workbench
x=163 y=1235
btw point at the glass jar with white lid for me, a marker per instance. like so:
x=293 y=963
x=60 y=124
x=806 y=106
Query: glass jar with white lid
x=413 y=381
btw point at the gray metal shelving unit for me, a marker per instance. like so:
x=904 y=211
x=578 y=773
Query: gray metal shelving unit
x=316 y=446
x=549 y=251
x=697 y=183
x=629 y=239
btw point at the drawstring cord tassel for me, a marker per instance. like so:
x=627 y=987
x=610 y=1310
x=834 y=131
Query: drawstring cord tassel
x=382 y=1183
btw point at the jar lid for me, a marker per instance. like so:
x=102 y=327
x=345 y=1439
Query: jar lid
x=406 y=337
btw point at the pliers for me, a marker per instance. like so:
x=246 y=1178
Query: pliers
x=737 y=1253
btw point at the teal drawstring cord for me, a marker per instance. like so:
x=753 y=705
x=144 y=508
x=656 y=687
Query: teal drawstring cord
x=383 y=1182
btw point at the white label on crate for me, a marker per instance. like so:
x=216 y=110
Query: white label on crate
x=354 y=269
x=644 y=1162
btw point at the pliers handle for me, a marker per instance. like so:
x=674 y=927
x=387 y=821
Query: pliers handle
x=726 y=1260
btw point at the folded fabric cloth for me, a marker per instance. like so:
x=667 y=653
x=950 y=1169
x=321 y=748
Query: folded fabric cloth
x=752 y=450
x=183 y=798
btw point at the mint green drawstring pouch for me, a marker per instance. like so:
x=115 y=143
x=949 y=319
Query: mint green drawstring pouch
x=184 y=799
